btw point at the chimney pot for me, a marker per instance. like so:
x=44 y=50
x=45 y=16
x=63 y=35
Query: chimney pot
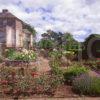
x=4 y=10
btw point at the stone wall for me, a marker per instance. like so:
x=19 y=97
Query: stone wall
x=19 y=34
x=31 y=43
x=10 y=37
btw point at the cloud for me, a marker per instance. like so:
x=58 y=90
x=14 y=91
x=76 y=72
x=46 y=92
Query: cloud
x=80 y=17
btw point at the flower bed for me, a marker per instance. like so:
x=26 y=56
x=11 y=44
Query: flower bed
x=20 y=58
x=25 y=55
x=27 y=81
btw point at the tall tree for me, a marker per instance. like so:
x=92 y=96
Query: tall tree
x=46 y=44
x=69 y=42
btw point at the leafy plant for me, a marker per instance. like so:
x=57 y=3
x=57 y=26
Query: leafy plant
x=55 y=54
x=46 y=44
x=9 y=53
x=87 y=85
x=69 y=54
x=56 y=71
x=94 y=64
x=24 y=55
x=74 y=71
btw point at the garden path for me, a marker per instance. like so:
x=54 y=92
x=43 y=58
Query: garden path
x=42 y=64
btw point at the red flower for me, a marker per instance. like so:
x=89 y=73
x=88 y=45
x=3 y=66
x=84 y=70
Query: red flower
x=34 y=74
x=5 y=91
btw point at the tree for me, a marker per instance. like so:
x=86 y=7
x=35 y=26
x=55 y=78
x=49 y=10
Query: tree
x=61 y=40
x=46 y=44
x=69 y=43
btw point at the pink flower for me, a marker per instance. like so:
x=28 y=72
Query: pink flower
x=4 y=82
x=98 y=59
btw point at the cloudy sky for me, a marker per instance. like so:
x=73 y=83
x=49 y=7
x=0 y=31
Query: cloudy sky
x=80 y=17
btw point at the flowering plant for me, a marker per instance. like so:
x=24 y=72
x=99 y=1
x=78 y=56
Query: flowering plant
x=3 y=82
x=23 y=55
x=34 y=74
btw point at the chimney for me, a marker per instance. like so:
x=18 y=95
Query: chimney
x=4 y=10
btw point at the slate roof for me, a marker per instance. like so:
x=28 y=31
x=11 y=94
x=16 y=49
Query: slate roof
x=6 y=14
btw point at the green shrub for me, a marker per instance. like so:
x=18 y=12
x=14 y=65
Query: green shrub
x=46 y=44
x=9 y=52
x=69 y=54
x=55 y=54
x=55 y=61
x=93 y=64
x=24 y=55
x=56 y=69
x=87 y=85
x=74 y=71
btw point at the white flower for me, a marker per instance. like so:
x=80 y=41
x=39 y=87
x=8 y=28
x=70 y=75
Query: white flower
x=54 y=49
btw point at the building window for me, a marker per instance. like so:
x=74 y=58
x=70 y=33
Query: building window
x=1 y=22
x=5 y=22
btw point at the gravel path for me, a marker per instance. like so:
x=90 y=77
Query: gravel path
x=42 y=64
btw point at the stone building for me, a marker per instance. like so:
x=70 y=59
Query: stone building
x=12 y=31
